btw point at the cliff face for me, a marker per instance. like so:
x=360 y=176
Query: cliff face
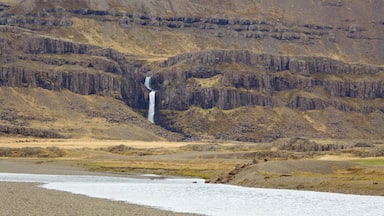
x=212 y=80
x=247 y=70
x=56 y=64
x=76 y=81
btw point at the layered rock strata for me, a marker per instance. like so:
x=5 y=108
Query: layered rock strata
x=306 y=82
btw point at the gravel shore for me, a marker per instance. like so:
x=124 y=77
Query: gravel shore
x=29 y=199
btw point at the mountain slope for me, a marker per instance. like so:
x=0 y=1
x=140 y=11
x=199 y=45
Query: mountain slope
x=247 y=70
x=43 y=113
x=348 y=30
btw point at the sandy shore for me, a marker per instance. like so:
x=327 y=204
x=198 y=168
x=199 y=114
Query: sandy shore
x=29 y=199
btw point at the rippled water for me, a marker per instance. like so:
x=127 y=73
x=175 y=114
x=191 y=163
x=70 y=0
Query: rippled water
x=193 y=196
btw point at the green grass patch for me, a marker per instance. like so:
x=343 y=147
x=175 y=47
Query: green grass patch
x=373 y=161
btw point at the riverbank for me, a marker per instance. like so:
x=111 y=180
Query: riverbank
x=29 y=199
x=346 y=177
x=260 y=165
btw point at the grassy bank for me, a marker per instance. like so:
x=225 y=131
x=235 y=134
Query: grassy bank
x=283 y=164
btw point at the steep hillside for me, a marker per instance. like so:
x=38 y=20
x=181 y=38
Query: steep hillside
x=349 y=30
x=46 y=114
x=245 y=70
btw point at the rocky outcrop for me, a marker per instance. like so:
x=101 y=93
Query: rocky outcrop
x=47 y=63
x=76 y=81
x=177 y=93
x=356 y=89
x=226 y=178
x=57 y=64
x=246 y=28
x=261 y=80
x=52 y=16
x=25 y=131
x=91 y=63
x=296 y=64
x=41 y=45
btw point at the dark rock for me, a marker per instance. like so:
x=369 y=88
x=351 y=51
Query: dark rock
x=18 y=130
x=75 y=81
x=41 y=45
x=179 y=90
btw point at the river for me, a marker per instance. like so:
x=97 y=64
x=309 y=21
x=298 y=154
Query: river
x=194 y=196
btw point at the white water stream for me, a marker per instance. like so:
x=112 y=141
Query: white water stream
x=194 y=196
x=152 y=99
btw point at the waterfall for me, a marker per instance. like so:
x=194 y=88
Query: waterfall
x=147 y=83
x=152 y=99
x=151 y=108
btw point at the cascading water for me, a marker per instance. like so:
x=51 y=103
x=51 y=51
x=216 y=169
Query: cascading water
x=152 y=98
x=147 y=83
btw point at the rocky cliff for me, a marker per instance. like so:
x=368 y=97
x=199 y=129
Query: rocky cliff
x=56 y=64
x=230 y=79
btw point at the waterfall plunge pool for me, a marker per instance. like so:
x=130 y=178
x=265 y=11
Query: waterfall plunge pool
x=194 y=196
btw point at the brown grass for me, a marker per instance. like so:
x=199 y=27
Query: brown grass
x=122 y=156
x=18 y=142
x=209 y=82
x=332 y=176
x=72 y=115
x=338 y=173
x=193 y=168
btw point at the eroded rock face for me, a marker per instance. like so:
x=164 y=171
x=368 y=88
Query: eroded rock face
x=75 y=81
x=33 y=60
x=261 y=78
x=57 y=64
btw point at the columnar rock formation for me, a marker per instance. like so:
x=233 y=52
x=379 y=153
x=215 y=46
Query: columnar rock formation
x=260 y=79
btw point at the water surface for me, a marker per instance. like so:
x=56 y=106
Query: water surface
x=194 y=196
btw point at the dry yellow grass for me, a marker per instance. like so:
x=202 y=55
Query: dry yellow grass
x=75 y=116
x=348 y=174
x=195 y=168
x=162 y=157
x=11 y=2
x=147 y=44
x=209 y=82
x=19 y=142
x=315 y=124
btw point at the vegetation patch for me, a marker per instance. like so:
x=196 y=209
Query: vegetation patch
x=209 y=82
x=127 y=150
x=48 y=152
x=371 y=161
x=195 y=168
x=18 y=130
